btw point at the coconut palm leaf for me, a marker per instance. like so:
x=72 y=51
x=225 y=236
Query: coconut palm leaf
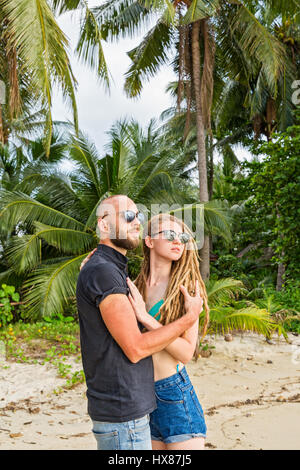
x=121 y=18
x=223 y=291
x=66 y=240
x=32 y=29
x=25 y=252
x=89 y=47
x=216 y=217
x=200 y=9
x=62 y=6
x=259 y=43
x=226 y=319
x=148 y=57
x=51 y=285
x=84 y=153
x=17 y=207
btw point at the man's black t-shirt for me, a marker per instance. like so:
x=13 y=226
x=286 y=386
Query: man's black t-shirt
x=117 y=389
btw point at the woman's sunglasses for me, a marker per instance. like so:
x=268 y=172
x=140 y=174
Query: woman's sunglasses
x=170 y=235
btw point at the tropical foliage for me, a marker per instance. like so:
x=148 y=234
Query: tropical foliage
x=236 y=63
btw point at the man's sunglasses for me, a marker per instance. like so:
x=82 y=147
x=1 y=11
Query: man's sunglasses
x=129 y=216
x=170 y=235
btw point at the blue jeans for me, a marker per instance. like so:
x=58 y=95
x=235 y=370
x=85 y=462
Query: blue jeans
x=129 y=435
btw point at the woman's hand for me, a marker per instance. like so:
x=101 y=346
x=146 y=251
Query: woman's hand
x=137 y=301
x=87 y=258
x=193 y=304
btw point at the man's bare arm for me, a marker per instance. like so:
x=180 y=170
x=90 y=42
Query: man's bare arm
x=120 y=320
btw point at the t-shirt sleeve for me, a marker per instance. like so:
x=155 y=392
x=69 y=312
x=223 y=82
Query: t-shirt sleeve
x=103 y=281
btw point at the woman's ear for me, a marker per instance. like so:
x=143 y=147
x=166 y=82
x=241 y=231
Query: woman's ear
x=148 y=241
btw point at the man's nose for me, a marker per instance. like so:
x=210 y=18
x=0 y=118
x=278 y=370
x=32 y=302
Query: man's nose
x=136 y=222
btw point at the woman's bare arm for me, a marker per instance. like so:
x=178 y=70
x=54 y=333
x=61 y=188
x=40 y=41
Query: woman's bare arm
x=182 y=349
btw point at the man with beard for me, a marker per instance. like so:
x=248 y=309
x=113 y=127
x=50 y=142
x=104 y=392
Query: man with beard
x=116 y=355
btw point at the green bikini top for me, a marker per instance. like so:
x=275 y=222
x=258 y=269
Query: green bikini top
x=154 y=310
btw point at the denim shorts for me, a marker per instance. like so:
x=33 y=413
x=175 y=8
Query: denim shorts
x=179 y=415
x=128 y=435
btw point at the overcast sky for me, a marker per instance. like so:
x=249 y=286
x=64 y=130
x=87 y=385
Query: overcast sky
x=96 y=108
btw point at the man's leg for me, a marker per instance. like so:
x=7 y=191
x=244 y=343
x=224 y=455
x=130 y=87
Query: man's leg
x=129 y=435
x=139 y=434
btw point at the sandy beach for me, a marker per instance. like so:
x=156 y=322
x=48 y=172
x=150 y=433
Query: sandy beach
x=249 y=390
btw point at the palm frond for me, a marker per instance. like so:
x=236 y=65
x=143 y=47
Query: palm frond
x=24 y=253
x=223 y=291
x=121 y=18
x=89 y=47
x=200 y=9
x=84 y=152
x=226 y=319
x=148 y=57
x=260 y=44
x=17 y=207
x=66 y=240
x=33 y=30
x=50 y=286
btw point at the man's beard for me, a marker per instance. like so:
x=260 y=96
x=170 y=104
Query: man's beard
x=126 y=243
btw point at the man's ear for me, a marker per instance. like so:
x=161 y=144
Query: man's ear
x=103 y=225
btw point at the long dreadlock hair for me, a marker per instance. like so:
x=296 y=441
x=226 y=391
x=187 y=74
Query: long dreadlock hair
x=184 y=271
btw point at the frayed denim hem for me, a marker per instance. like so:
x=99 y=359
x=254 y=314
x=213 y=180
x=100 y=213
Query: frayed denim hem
x=178 y=438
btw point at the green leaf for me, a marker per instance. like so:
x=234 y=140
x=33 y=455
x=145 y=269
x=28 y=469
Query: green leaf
x=148 y=57
x=33 y=30
x=54 y=284
x=200 y=9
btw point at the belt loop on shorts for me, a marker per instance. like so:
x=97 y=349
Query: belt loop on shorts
x=181 y=372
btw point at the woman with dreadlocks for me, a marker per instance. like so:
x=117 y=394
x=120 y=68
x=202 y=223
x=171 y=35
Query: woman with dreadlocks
x=169 y=270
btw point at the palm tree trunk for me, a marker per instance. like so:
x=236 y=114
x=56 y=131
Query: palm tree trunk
x=280 y=273
x=1 y=126
x=211 y=167
x=202 y=166
x=281 y=266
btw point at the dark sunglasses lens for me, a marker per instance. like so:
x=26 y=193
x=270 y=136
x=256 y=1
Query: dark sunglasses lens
x=170 y=235
x=129 y=216
x=184 y=238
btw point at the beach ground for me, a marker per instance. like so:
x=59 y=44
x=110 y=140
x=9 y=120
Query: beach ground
x=249 y=391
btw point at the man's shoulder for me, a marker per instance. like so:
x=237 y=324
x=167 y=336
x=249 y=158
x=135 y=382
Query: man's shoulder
x=99 y=267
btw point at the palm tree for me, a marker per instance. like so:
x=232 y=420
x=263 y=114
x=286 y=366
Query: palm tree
x=197 y=28
x=37 y=59
x=49 y=217
x=227 y=313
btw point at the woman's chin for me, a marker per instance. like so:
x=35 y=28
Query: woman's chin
x=174 y=256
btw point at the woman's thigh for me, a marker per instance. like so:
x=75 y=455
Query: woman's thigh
x=158 y=445
x=197 y=443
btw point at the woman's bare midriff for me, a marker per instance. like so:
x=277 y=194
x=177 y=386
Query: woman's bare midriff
x=165 y=365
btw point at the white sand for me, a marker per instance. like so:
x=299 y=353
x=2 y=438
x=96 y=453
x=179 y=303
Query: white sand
x=248 y=402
